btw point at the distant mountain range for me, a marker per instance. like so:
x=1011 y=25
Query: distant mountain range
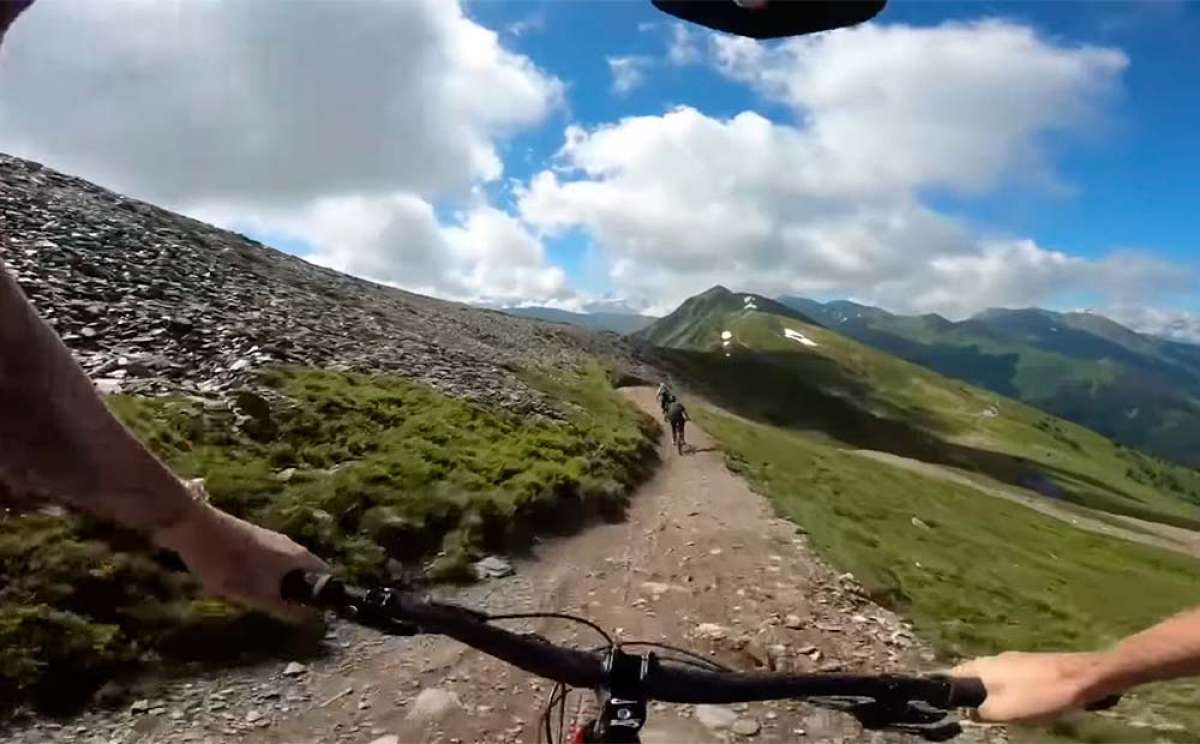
x=618 y=322
x=770 y=363
x=1140 y=390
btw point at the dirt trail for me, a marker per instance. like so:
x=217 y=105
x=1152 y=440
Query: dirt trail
x=700 y=562
x=1139 y=530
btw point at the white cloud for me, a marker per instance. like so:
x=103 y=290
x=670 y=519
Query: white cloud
x=957 y=105
x=484 y=255
x=185 y=102
x=1020 y=273
x=530 y=24
x=356 y=115
x=628 y=72
x=682 y=200
x=1177 y=325
x=683 y=48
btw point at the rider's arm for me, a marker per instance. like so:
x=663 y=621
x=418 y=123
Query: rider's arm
x=1025 y=686
x=59 y=442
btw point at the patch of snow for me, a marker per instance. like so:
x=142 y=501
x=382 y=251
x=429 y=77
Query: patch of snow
x=798 y=336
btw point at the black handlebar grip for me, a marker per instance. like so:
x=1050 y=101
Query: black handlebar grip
x=298 y=585
x=966 y=692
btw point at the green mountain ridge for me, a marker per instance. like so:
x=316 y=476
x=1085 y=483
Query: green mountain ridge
x=698 y=321
x=1139 y=390
x=865 y=398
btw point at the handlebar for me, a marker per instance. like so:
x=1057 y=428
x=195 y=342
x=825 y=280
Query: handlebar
x=915 y=704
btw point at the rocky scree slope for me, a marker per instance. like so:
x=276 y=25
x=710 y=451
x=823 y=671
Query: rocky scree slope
x=151 y=302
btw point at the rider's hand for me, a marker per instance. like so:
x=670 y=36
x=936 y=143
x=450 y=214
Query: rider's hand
x=1035 y=687
x=236 y=559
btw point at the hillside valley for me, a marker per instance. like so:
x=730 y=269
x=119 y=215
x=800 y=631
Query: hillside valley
x=1139 y=390
x=898 y=473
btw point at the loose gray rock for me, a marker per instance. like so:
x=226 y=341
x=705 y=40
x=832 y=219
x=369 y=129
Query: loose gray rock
x=712 y=631
x=716 y=717
x=294 y=669
x=493 y=567
x=746 y=727
x=434 y=703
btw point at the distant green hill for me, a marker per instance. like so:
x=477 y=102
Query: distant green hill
x=1139 y=390
x=780 y=368
x=623 y=323
x=698 y=321
x=964 y=510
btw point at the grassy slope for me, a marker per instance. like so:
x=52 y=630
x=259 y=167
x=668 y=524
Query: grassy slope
x=380 y=467
x=986 y=575
x=872 y=400
x=1086 y=368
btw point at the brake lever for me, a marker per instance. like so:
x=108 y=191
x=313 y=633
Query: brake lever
x=374 y=609
x=944 y=730
x=915 y=717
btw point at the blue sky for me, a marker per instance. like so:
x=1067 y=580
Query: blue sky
x=947 y=157
x=1133 y=182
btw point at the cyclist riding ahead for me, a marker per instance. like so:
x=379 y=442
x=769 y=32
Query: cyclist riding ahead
x=677 y=416
x=59 y=442
x=664 y=396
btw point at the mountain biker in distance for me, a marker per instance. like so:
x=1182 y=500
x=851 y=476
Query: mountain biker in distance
x=664 y=396
x=677 y=416
x=59 y=442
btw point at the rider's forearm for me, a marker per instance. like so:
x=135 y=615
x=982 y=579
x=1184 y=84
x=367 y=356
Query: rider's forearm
x=1165 y=651
x=57 y=439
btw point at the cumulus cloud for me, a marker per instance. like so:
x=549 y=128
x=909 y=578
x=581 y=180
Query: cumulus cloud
x=1176 y=325
x=628 y=72
x=1020 y=273
x=833 y=203
x=310 y=113
x=957 y=105
x=192 y=101
x=683 y=47
x=483 y=255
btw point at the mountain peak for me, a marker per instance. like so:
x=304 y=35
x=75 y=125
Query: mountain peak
x=699 y=319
